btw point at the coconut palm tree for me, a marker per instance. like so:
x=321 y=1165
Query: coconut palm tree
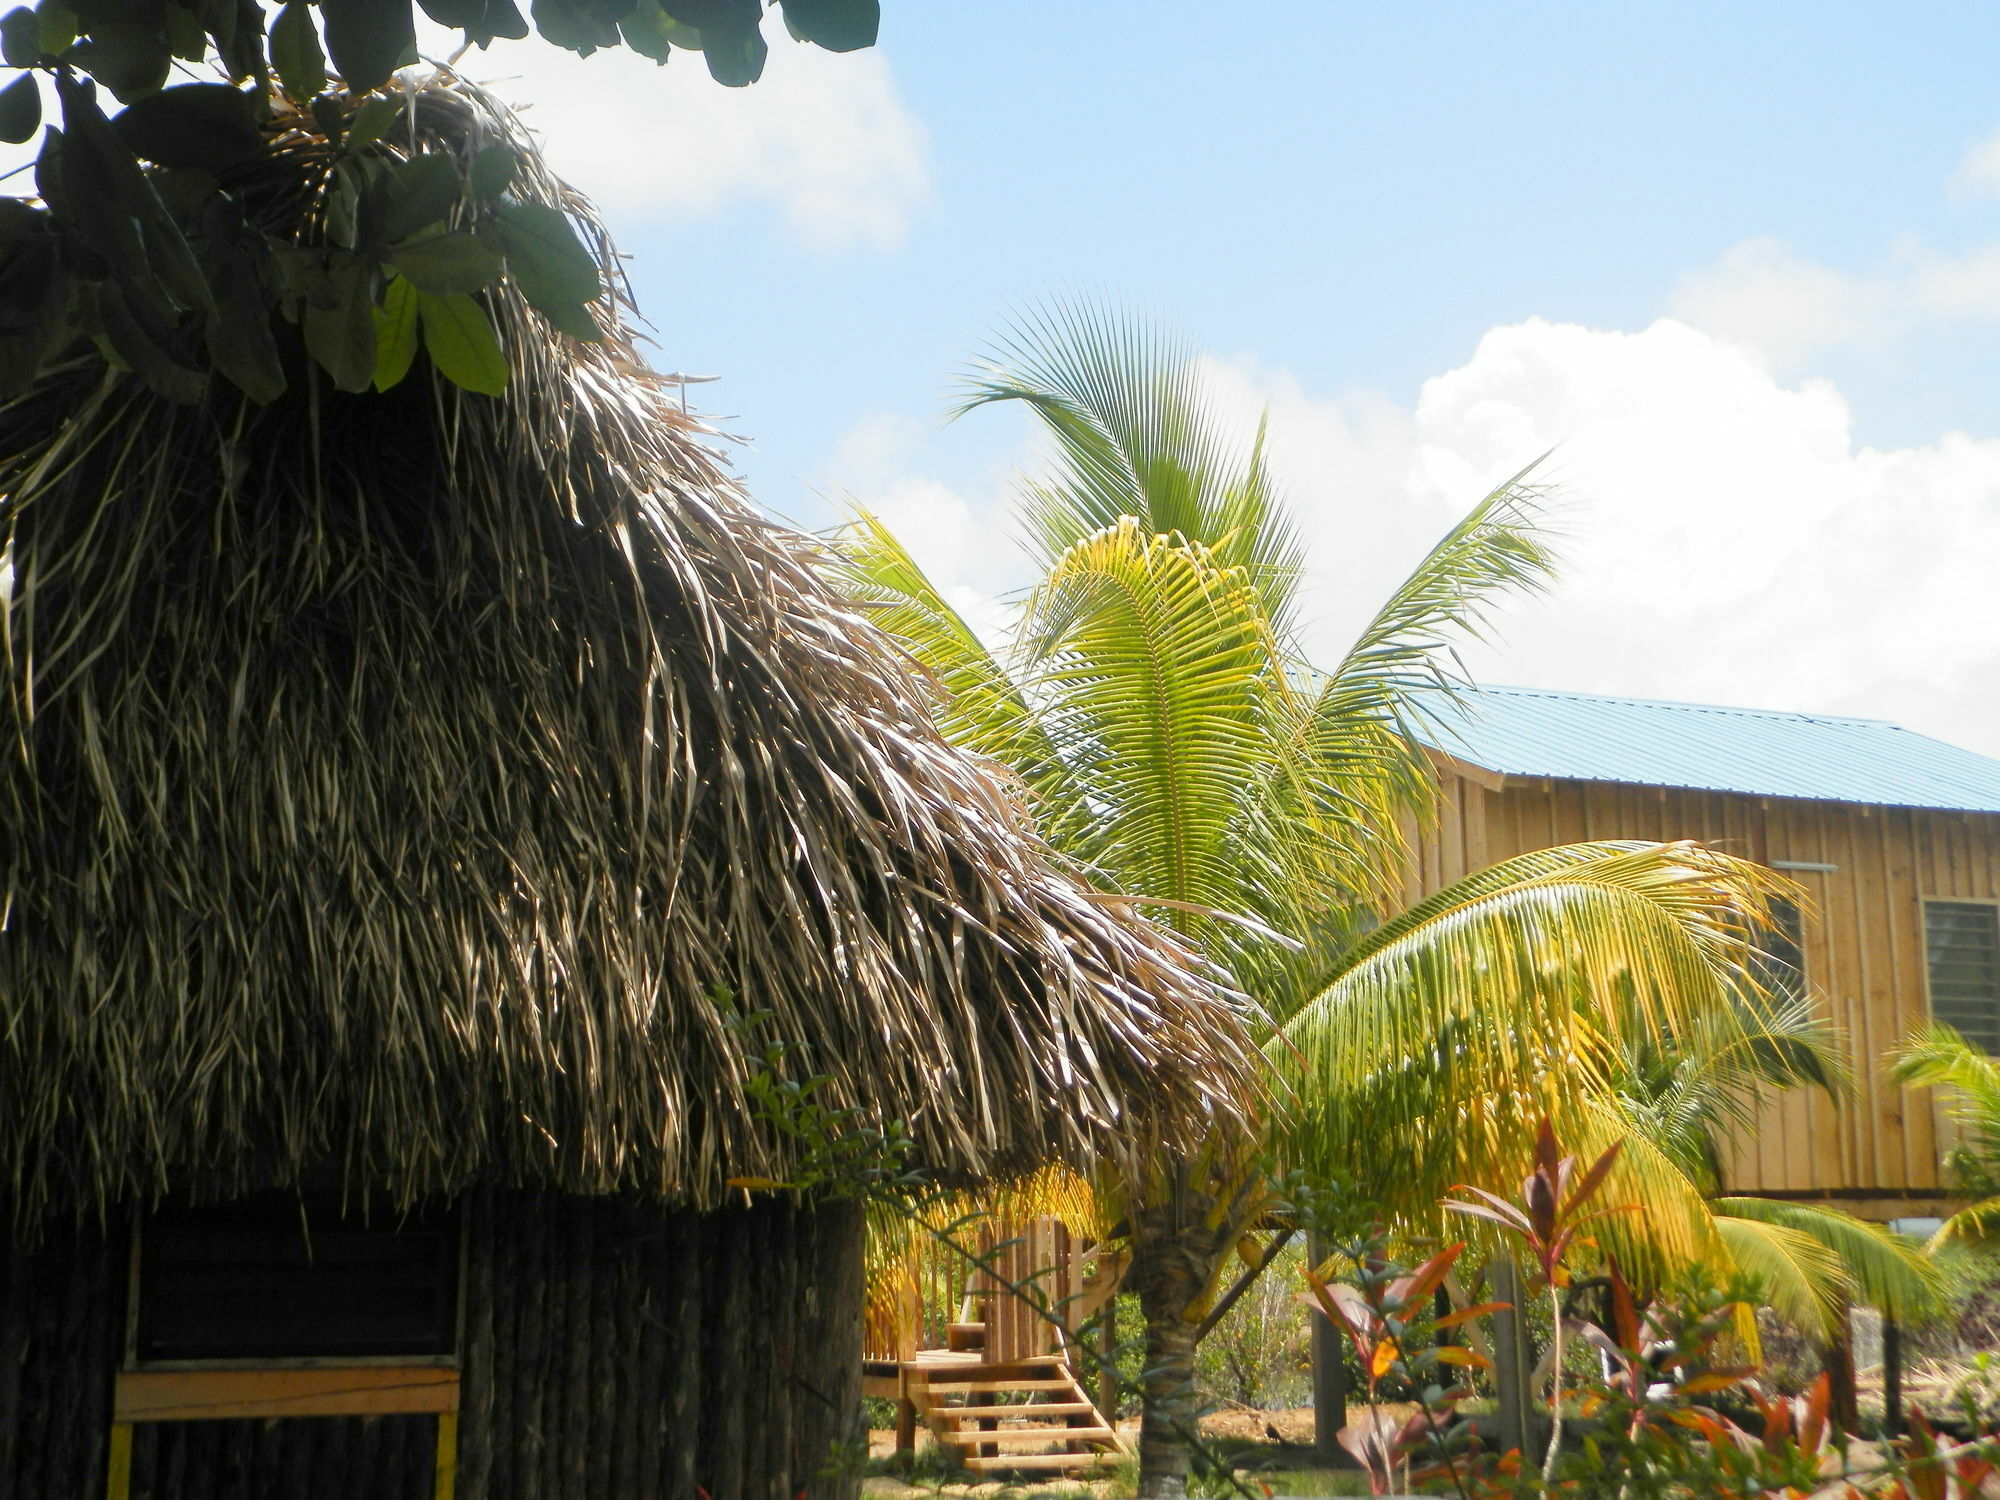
x=1156 y=708
x=1938 y=1057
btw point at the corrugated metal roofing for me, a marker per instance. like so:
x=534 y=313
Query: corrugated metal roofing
x=1583 y=737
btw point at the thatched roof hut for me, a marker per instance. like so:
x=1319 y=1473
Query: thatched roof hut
x=405 y=797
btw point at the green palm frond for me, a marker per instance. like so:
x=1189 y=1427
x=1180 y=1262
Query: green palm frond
x=1938 y=1057
x=1802 y=1279
x=1880 y=1268
x=1138 y=432
x=1976 y=1226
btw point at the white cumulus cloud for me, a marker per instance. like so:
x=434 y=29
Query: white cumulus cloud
x=822 y=136
x=1978 y=175
x=1724 y=538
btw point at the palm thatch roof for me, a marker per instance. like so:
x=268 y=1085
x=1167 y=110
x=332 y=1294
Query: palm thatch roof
x=415 y=782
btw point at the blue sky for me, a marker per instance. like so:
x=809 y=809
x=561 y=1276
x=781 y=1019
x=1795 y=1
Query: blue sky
x=1739 y=266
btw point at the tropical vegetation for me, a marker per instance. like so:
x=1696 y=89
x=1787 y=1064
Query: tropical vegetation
x=1169 y=737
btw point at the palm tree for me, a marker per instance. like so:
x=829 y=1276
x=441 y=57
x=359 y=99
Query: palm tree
x=1938 y=1057
x=1156 y=709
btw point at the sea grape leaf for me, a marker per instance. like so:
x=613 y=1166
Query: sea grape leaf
x=20 y=38
x=374 y=117
x=20 y=109
x=444 y=264
x=339 y=325
x=127 y=57
x=492 y=170
x=546 y=259
x=651 y=32
x=396 y=334
x=837 y=25
x=417 y=193
x=480 y=20
x=575 y=26
x=55 y=26
x=461 y=342
x=296 y=52
x=194 y=127
x=368 y=39
x=735 y=58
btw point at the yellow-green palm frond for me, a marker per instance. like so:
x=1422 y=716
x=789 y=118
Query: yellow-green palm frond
x=982 y=706
x=1139 y=431
x=1152 y=663
x=1938 y=1057
x=1802 y=1279
x=1881 y=1269
x=1974 y=1227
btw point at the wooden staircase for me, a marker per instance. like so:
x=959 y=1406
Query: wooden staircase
x=1028 y=1414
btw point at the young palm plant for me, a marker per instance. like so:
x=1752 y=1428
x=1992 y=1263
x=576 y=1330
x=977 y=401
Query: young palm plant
x=1168 y=737
x=1938 y=1057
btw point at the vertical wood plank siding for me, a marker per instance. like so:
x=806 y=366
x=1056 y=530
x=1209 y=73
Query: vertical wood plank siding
x=611 y=1351
x=1864 y=943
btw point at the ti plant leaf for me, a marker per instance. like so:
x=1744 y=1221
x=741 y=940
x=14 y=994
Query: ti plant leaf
x=396 y=333
x=461 y=342
x=296 y=52
x=20 y=109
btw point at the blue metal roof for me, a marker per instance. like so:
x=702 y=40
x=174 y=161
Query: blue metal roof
x=1583 y=737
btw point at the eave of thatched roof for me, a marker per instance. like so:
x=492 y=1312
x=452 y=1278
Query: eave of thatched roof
x=417 y=782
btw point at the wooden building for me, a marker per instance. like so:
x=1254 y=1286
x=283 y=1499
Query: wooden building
x=433 y=829
x=1894 y=837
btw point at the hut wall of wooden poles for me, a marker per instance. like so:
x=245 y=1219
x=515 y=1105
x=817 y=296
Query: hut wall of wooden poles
x=608 y=1348
x=471 y=808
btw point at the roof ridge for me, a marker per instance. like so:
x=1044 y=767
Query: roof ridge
x=1709 y=708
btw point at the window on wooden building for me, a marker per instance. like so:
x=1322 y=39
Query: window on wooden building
x=1780 y=965
x=1962 y=943
x=283 y=1276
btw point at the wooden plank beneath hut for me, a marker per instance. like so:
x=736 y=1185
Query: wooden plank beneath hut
x=205 y=1395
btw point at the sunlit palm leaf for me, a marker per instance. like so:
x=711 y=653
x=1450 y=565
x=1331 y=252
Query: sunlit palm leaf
x=1882 y=1269
x=1803 y=1281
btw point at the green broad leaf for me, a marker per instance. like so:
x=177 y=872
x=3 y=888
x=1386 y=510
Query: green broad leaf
x=20 y=109
x=651 y=32
x=141 y=350
x=480 y=20
x=194 y=127
x=460 y=340
x=330 y=118
x=735 y=58
x=128 y=58
x=417 y=193
x=396 y=333
x=579 y=322
x=20 y=38
x=837 y=25
x=574 y=25
x=339 y=325
x=545 y=257
x=368 y=39
x=55 y=25
x=492 y=171
x=239 y=335
x=446 y=264
x=296 y=52
x=186 y=37
x=370 y=121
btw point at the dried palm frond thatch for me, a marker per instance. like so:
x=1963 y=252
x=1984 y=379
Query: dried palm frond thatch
x=413 y=783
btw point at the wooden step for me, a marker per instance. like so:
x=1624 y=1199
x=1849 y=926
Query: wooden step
x=1038 y=1461
x=1036 y=1410
x=995 y=1387
x=1011 y=1437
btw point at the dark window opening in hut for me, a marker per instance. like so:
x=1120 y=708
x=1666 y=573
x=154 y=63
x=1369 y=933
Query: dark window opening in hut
x=1781 y=951
x=1962 y=943
x=283 y=1276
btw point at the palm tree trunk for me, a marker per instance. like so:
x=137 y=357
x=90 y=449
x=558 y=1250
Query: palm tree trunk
x=1176 y=1256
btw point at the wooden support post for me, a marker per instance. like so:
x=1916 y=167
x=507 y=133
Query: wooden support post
x=1846 y=1404
x=1329 y=1377
x=1510 y=1358
x=1892 y=1377
x=1107 y=1360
